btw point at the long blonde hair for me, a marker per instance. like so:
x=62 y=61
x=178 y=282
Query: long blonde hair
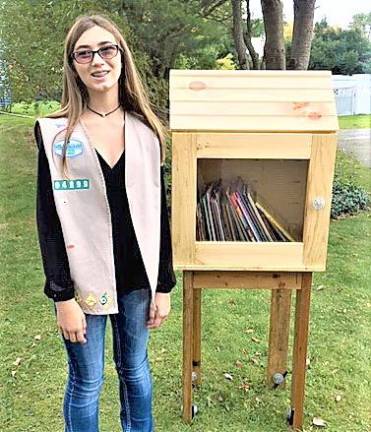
x=132 y=95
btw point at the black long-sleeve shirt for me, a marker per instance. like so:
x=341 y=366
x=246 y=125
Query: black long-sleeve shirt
x=129 y=268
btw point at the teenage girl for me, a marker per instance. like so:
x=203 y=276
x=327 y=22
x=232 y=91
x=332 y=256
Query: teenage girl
x=103 y=224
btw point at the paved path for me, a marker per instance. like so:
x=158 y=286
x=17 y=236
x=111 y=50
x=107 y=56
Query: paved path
x=356 y=142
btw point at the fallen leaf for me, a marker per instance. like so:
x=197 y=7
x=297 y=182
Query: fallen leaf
x=17 y=361
x=209 y=401
x=228 y=376
x=245 y=387
x=255 y=361
x=317 y=421
x=13 y=373
x=239 y=364
x=220 y=398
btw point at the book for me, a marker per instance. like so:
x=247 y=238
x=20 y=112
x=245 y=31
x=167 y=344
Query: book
x=230 y=213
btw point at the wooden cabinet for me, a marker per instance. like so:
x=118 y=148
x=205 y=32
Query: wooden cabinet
x=274 y=129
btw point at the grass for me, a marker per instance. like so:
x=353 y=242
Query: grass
x=339 y=347
x=355 y=122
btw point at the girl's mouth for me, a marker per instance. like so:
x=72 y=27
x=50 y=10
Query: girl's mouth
x=99 y=75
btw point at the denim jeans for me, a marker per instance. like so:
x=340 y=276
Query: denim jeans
x=86 y=366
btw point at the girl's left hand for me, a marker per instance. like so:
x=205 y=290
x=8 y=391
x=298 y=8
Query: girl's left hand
x=159 y=311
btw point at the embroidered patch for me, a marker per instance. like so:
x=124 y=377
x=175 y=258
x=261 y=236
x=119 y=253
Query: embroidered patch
x=91 y=300
x=71 y=184
x=74 y=148
x=103 y=298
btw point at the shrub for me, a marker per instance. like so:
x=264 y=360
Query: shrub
x=347 y=198
x=38 y=108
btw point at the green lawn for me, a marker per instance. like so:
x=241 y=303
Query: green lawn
x=235 y=327
x=355 y=122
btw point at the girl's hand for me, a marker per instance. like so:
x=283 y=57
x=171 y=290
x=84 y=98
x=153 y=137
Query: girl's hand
x=71 y=320
x=159 y=311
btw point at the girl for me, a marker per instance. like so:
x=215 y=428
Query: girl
x=102 y=222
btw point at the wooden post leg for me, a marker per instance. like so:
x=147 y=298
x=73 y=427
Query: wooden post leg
x=278 y=337
x=187 y=344
x=196 y=362
x=300 y=351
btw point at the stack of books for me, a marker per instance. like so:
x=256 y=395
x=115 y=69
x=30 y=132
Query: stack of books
x=229 y=213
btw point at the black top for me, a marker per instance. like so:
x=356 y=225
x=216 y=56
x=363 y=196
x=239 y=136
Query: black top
x=129 y=267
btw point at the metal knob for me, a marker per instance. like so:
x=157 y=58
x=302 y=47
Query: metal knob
x=318 y=203
x=278 y=378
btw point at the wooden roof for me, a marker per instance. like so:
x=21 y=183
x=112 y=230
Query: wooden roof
x=237 y=100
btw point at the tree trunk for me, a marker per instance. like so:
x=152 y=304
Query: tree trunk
x=238 y=35
x=302 y=34
x=274 y=49
x=247 y=38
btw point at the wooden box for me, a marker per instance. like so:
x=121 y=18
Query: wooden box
x=274 y=129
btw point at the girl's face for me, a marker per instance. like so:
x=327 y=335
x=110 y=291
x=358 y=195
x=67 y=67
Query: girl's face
x=98 y=74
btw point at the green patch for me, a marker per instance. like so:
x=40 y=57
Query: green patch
x=71 y=184
x=360 y=121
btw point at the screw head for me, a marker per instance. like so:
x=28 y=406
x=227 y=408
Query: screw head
x=318 y=203
x=278 y=378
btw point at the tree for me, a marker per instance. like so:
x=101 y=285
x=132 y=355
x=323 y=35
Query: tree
x=162 y=34
x=238 y=35
x=341 y=51
x=362 y=22
x=274 y=50
x=302 y=34
x=243 y=33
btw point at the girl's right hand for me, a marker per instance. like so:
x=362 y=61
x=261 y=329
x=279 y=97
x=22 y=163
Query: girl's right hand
x=71 y=320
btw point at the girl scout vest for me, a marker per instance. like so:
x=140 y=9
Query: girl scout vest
x=83 y=209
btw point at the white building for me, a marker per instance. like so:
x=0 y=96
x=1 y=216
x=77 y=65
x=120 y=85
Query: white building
x=352 y=93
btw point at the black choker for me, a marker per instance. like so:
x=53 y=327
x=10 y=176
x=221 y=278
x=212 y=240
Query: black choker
x=103 y=115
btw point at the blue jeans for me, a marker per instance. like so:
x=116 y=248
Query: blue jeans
x=86 y=365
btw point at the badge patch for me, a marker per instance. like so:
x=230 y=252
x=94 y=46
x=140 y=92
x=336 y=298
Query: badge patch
x=105 y=300
x=74 y=148
x=91 y=300
x=78 y=184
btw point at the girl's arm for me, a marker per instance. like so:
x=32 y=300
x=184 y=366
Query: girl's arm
x=58 y=284
x=166 y=277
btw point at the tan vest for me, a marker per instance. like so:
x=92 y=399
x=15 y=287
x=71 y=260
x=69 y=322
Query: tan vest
x=83 y=208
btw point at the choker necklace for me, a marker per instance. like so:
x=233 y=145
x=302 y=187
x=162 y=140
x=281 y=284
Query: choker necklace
x=103 y=115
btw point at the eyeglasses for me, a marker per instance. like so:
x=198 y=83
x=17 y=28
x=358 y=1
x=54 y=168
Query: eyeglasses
x=86 y=56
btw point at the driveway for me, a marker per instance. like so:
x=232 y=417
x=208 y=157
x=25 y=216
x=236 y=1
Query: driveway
x=356 y=142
